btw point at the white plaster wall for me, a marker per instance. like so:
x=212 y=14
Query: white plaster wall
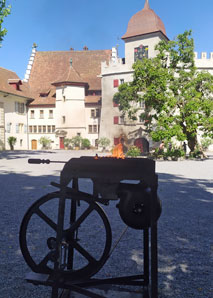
x=15 y=118
x=46 y=121
x=149 y=40
x=72 y=108
x=92 y=121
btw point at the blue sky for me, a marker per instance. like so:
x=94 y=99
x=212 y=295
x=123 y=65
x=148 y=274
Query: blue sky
x=58 y=25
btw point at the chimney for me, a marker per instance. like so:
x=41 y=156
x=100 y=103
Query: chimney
x=71 y=49
x=85 y=48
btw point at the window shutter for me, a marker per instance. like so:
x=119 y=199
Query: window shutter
x=115 y=83
x=116 y=119
x=16 y=107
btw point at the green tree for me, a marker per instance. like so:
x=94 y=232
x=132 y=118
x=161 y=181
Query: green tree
x=178 y=98
x=11 y=141
x=4 y=12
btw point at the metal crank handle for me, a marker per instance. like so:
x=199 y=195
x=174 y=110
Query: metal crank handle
x=39 y=161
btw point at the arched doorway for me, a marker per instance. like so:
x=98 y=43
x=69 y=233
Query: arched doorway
x=34 y=144
x=143 y=144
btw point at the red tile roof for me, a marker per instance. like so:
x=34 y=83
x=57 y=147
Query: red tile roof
x=7 y=77
x=65 y=66
x=144 y=21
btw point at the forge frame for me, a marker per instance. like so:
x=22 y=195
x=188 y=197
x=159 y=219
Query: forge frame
x=99 y=170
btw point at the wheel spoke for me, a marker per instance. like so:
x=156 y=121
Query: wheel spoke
x=44 y=261
x=46 y=219
x=82 y=251
x=83 y=216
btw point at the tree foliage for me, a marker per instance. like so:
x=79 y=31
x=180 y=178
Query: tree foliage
x=178 y=97
x=4 y=12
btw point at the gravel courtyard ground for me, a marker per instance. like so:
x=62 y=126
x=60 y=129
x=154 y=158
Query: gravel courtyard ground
x=185 y=226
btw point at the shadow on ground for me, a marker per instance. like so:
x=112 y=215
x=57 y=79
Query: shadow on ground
x=185 y=238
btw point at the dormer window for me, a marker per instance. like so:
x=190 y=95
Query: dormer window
x=141 y=52
x=44 y=93
x=15 y=83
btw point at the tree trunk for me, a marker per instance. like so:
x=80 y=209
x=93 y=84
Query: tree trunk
x=192 y=142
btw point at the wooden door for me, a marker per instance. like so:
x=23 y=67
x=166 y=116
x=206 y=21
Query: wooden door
x=61 y=142
x=34 y=144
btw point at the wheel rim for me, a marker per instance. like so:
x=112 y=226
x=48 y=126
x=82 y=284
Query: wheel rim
x=39 y=253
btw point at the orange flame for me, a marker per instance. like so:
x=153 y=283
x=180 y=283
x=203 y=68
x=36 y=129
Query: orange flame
x=117 y=151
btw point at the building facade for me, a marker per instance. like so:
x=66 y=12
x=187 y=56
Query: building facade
x=14 y=100
x=70 y=93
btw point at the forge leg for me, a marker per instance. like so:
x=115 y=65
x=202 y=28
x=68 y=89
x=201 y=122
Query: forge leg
x=71 y=236
x=54 y=292
x=154 y=262
x=146 y=255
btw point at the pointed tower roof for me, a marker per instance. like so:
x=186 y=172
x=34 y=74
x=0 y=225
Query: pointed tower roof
x=143 y=22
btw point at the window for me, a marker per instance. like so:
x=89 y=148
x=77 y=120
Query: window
x=53 y=128
x=63 y=119
x=21 y=142
x=21 y=125
x=44 y=129
x=90 y=128
x=19 y=107
x=93 y=113
x=41 y=114
x=32 y=114
x=8 y=127
x=115 y=119
x=25 y=128
x=35 y=129
x=39 y=129
x=50 y=114
x=93 y=129
x=30 y=129
x=142 y=104
x=141 y=52
x=115 y=83
x=49 y=128
x=97 y=112
x=17 y=128
x=121 y=81
x=121 y=120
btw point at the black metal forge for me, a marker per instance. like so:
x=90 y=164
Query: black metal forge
x=63 y=259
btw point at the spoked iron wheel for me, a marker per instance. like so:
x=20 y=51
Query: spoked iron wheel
x=85 y=243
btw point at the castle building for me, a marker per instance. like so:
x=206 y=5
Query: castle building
x=66 y=87
x=145 y=29
x=69 y=93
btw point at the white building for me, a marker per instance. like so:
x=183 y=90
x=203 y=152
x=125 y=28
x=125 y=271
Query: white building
x=67 y=90
x=14 y=97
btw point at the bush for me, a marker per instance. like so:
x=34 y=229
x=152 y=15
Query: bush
x=133 y=151
x=104 y=142
x=45 y=142
x=85 y=144
x=206 y=142
x=67 y=143
x=11 y=141
x=76 y=141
